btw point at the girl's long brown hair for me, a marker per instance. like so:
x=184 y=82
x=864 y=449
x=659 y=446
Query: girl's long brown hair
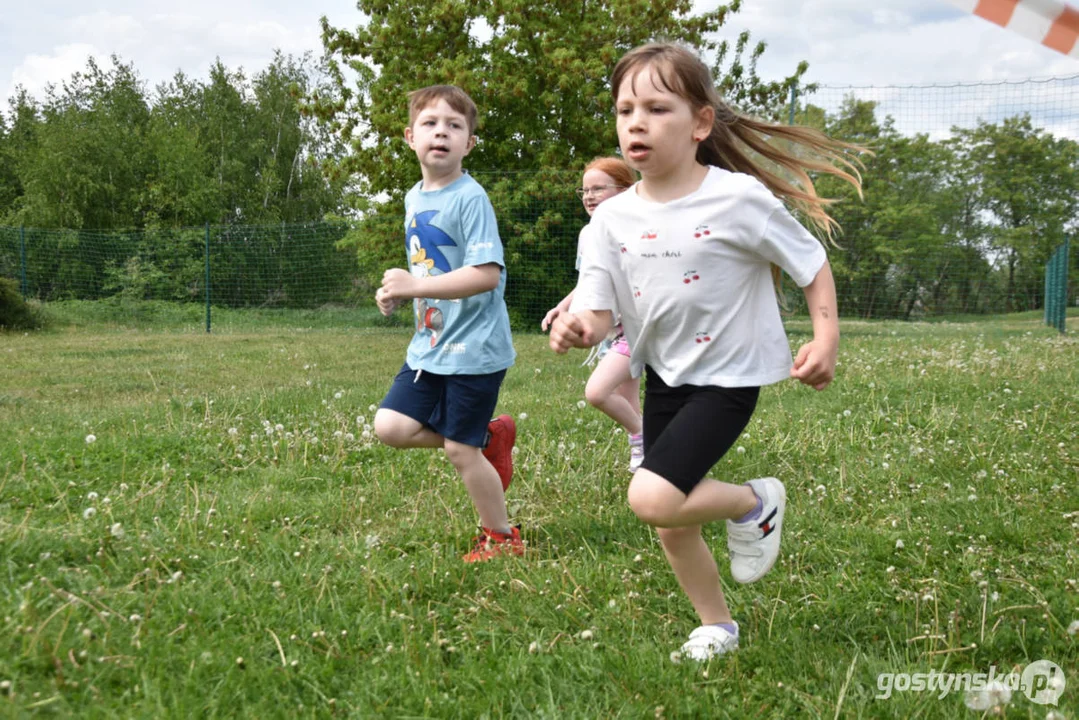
x=735 y=137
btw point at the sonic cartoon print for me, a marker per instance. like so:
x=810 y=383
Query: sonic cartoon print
x=423 y=241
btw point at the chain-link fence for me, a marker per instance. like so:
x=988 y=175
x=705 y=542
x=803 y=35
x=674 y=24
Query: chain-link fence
x=972 y=190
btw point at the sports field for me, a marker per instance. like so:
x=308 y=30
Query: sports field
x=198 y=525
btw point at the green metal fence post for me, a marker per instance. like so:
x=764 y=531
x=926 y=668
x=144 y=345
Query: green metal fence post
x=207 y=277
x=1062 y=286
x=22 y=260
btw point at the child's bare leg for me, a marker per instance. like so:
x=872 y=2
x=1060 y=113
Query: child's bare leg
x=613 y=371
x=481 y=481
x=695 y=567
x=400 y=431
x=659 y=503
x=631 y=391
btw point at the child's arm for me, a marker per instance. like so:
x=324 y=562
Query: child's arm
x=398 y=284
x=581 y=329
x=815 y=363
x=557 y=310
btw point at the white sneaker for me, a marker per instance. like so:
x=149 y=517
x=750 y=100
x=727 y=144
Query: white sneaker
x=636 y=453
x=707 y=641
x=754 y=545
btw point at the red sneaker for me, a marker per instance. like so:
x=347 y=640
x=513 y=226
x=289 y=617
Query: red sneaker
x=490 y=544
x=499 y=450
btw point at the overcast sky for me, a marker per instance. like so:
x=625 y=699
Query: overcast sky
x=846 y=42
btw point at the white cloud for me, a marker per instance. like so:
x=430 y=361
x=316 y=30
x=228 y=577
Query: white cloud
x=35 y=72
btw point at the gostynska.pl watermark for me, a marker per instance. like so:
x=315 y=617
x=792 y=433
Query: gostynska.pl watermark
x=1041 y=681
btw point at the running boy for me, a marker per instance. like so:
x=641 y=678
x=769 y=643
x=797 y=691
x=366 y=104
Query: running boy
x=448 y=387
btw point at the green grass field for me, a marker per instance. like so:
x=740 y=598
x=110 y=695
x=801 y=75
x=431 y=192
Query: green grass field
x=200 y=525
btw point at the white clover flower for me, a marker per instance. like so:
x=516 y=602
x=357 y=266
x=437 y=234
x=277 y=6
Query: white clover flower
x=91 y=438
x=372 y=541
x=117 y=531
x=585 y=635
x=88 y=513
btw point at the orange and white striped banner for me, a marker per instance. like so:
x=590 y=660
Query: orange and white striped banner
x=1052 y=23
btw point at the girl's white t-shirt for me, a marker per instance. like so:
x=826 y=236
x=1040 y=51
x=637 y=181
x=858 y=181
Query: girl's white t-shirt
x=692 y=279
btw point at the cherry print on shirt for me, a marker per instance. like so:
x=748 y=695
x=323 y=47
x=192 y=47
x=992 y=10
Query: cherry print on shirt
x=702 y=230
x=703 y=337
x=649 y=234
x=689 y=276
x=622 y=247
x=636 y=291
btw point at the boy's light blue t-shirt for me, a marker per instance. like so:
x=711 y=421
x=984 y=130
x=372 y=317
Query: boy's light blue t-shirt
x=447 y=229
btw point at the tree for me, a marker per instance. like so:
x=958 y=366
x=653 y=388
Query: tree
x=1028 y=184
x=539 y=74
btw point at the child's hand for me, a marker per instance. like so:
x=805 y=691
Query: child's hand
x=386 y=305
x=567 y=332
x=398 y=284
x=815 y=363
x=549 y=318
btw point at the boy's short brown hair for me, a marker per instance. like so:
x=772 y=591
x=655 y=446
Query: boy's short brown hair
x=454 y=96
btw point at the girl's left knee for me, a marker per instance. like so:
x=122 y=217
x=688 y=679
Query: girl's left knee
x=652 y=500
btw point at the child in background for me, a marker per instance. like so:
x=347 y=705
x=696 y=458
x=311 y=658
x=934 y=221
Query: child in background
x=611 y=388
x=448 y=387
x=687 y=257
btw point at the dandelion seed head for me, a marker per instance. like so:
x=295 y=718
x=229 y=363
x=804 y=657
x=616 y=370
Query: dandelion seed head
x=581 y=404
x=91 y=438
x=89 y=513
x=899 y=545
x=676 y=657
x=585 y=635
x=117 y=531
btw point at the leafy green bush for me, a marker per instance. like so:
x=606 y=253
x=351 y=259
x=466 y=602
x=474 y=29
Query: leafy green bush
x=15 y=313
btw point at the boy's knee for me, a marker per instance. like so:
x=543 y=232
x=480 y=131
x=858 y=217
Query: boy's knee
x=388 y=430
x=461 y=456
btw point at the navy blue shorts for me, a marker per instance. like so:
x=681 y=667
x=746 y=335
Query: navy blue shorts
x=457 y=407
